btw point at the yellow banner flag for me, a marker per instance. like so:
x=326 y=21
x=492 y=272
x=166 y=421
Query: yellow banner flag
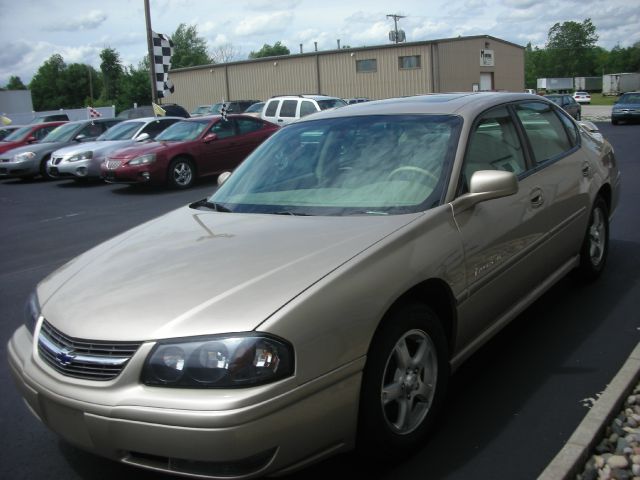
x=158 y=110
x=5 y=120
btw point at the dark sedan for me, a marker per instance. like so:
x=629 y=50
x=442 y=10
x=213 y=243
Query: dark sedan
x=188 y=149
x=568 y=103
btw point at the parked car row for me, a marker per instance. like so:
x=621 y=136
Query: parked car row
x=165 y=150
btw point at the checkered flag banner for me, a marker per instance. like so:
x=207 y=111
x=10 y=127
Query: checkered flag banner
x=162 y=51
x=93 y=113
x=223 y=111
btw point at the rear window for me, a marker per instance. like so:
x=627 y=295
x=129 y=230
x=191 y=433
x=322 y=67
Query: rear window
x=331 y=103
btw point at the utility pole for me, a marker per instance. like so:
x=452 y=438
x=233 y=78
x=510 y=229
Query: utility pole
x=395 y=24
x=152 y=63
x=89 y=70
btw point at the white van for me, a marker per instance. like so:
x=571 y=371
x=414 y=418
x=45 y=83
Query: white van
x=285 y=109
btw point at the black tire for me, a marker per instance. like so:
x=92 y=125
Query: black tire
x=595 y=246
x=398 y=379
x=579 y=116
x=181 y=173
x=43 y=169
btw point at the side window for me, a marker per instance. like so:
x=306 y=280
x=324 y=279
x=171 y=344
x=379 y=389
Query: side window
x=272 y=106
x=572 y=129
x=92 y=130
x=223 y=129
x=247 y=125
x=307 y=107
x=157 y=126
x=493 y=145
x=288 y=108
x=547 y=135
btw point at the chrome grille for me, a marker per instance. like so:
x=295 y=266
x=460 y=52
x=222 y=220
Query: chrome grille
x=113 y=164
x=86 y=359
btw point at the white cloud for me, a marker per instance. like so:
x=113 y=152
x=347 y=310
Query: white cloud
x=264 y=24
x=90 y=21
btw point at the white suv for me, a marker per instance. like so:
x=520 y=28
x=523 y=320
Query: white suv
x=285 y=109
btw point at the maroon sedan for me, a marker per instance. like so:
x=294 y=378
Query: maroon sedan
x=26 y=135
x=188 y=149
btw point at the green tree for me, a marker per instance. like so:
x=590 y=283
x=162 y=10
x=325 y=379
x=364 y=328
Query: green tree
x=189 y=49
x=46 y=84
x=270 y=51
x=571 y=49
x=112 y=72
x=15 y=83
x=134 y=87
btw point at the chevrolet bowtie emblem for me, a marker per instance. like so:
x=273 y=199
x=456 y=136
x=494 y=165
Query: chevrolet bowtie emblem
x=65 y=357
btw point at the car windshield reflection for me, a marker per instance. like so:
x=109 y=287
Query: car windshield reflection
x=346 y=166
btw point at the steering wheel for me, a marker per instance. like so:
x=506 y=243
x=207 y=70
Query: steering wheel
x=411 y=168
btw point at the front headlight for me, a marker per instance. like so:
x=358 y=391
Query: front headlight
x=81 y=156
x=143 y=159
x=21 y=157
x=240 y=360
x=32 y=312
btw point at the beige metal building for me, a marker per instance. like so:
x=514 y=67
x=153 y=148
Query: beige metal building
x=447 y=65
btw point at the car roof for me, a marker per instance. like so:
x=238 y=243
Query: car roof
x=464 y=103
x=150 y=119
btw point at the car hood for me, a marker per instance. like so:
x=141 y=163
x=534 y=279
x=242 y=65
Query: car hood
x=151 y=147
x=40 y=148
x=193 y=272
x=5 y=146
x=98 y=148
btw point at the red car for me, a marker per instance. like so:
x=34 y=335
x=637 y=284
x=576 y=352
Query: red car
x=188 y=149
x=26 y=135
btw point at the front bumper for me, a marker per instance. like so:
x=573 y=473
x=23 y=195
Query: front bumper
x=18 y=169
x=632 y=115
x=274 y=428
x=79 y=169
x=132 y=174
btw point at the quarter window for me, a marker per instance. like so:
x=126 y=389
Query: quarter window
x=307 y=108
x=547 y=136
x=409 y=62
x=369 y=65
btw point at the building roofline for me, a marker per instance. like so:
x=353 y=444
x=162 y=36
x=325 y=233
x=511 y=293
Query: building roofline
x=345 y=50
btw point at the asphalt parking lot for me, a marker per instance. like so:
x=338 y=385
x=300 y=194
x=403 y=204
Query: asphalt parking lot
x=509 y=410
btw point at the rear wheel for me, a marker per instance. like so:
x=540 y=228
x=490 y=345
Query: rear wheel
x=403 y=384
x=595 y=245
x=181 y=173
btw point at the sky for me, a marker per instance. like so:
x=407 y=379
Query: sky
x=33 y=30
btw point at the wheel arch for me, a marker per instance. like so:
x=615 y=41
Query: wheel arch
x=437 y=295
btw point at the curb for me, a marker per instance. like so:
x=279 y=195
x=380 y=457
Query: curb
x=576 y=452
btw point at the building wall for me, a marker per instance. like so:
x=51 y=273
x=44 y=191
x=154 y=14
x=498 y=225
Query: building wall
x=445 y=66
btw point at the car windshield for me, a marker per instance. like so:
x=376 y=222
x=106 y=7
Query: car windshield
x=256 y=107
x=19 y=134
x=374 y=165
x=121 y=131
x=63 y=133
x=331 y=103
x=201 y=110
x=626 y=98
x=181 y=131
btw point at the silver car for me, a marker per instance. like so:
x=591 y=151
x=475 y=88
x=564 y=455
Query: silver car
x=320 y=298
x=82 y=161
x=31 y=160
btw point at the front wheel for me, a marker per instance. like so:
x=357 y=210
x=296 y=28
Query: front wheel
x=181 y=173
x=44 y=172
x=595 y=246
x=403 y=384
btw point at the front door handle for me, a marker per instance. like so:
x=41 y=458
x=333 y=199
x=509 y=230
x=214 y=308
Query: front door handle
x=536 y=198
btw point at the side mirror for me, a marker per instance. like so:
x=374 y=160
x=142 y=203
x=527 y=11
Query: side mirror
x=142 y=137
x=486 y=185
x=210 y=137
x=223 y=177
x=31 y=139
x=588 y=126
x=80 y=137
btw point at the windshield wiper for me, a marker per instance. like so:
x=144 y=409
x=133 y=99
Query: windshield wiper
x=289 y=212
x=217 y=207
